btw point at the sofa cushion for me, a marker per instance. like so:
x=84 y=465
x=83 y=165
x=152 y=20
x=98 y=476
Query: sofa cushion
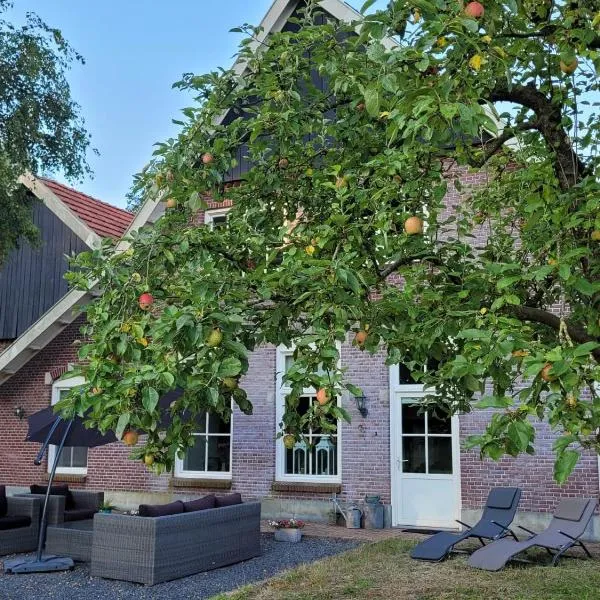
x=200 y=504
x=14 y=522
x=79 y=514
x=160 y=510
x=59 y=489
x=3 y=502
x=228 y=500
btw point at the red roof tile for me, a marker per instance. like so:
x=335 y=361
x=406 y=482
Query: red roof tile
x=102 y=218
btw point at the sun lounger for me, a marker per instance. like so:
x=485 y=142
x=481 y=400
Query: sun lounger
x=568 y=524
x=498 y=514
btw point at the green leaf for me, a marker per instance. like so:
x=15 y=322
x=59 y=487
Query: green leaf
x=149 y=399
x=507 y=281
x=520 y=433
x=372 y=101
x=365 y=7
x=168 y=378
x=494 y=402
x=564 y=465
x=230 y=367
x=122 y=424
x=586 y=348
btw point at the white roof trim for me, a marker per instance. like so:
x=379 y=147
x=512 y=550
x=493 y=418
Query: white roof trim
x=55 y=319
x=61 y=210
x=43 y=331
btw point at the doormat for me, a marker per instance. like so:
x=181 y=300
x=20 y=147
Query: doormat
x=423 y=531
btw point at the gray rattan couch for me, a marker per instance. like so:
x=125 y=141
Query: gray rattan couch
x=21 y=539
x=154 y=549
x=84 y=501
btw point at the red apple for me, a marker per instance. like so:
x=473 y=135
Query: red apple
x=130 y=438
x=413 y=225
x=284 y=163
x=474 y=10
x=361 y=337
x=322 y=397
x=207 y=158
x=171 y=203
x=146 y=301
x=545 y=375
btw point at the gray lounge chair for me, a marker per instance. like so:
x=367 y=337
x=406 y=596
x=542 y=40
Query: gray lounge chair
x=498 y=514
x=568 y=524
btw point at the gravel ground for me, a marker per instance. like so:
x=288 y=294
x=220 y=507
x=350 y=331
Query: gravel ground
x=76 y=584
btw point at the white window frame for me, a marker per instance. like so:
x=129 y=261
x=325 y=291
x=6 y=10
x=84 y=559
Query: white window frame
x=212 y=213
x=219 y=475
x=281 y=392
x=57 y=388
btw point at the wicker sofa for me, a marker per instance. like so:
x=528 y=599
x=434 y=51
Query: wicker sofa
x=19 y=527
x=153 y=549
x=79 y=505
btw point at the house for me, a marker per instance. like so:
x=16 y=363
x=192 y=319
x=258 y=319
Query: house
x=413 y=461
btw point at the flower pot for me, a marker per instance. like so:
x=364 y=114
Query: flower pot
x=288 y=535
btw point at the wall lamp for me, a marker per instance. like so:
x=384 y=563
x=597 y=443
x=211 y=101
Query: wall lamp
x=19 y=412
x=361 y=402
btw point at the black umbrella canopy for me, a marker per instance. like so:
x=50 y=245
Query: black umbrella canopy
x=41 y=422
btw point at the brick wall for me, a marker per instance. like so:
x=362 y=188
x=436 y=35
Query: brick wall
x=365 y=462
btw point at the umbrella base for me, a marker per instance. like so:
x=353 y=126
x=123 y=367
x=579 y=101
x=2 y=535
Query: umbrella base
x=48 y=564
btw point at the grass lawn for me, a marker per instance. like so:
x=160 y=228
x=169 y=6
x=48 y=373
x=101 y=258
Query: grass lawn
x=385 y=571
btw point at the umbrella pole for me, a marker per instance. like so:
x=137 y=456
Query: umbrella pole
x=44 y=521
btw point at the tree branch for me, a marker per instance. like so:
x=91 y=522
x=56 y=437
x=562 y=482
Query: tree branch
x=537 y=315
x=496 y=144
x=568 y=166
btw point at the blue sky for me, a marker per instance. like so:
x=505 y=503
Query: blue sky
x=134 y=51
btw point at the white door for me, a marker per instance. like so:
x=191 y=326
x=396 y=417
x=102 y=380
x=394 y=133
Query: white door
x=425 y=462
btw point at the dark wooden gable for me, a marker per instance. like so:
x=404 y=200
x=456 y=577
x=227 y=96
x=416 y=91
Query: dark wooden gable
x=32 y=279
x=243 y=164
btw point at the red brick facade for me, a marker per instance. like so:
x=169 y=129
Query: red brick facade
x=365 y=442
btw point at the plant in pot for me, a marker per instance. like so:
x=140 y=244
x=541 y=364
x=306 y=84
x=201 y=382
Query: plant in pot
x=287 y=530
x=106 y=507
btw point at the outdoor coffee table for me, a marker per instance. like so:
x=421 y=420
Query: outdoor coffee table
x=72 y=539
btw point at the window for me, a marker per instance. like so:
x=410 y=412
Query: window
x=73 y=459
x=216 y=218
x=210 y=457
x=426 y=441
x=317 y=456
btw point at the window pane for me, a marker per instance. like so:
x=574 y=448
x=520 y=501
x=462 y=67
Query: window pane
x=324 y=456
x=297 y=459
x=439 y=424
x=413 y=454
x=194 y=459
x=219 y=221
x=413 y=421
x=218 y=453
x=440 y=455
x=217 y=425
x=289 y=361
x=73 y=457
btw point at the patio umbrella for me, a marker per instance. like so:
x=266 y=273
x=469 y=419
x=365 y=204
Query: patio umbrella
x=48 y=428
x=42 y=422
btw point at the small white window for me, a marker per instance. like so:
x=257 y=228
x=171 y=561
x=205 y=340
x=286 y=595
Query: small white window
x=210 y=457
x=317 y=458
x=73 y=459
x=216 y=218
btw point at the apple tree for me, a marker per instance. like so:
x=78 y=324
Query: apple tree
x=355 y=134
